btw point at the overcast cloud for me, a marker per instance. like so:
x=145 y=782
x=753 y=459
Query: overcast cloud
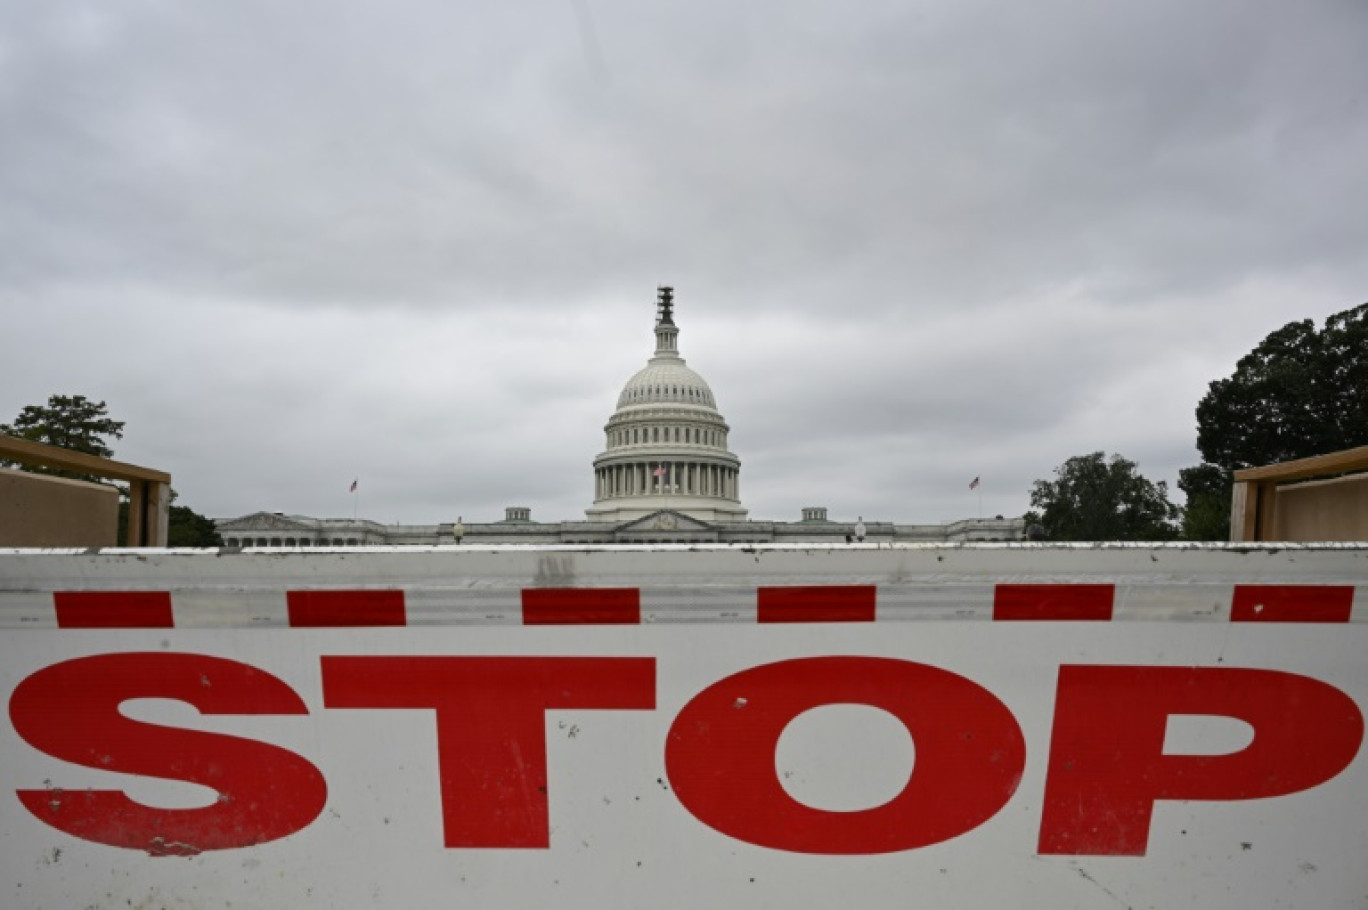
x=417 y=243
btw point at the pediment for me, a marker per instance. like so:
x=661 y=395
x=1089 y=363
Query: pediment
x=665 y=520
x=263 y=521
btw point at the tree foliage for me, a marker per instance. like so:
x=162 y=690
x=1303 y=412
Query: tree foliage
x=71 y=422
x=187 y=528
x=1301 y=392
x=1097 y=498
x=1207 y=514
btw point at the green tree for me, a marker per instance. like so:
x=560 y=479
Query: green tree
x=1207 y=514
x=71 y=422
x=1097 y=498
x=1301 y=392
x=188 y=528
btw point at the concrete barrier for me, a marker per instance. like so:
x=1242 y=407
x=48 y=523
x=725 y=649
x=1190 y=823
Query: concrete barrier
x=1027 y=725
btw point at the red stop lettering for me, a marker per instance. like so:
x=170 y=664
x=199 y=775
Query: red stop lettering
x=720 y=755
x=491 y=726
x=1107 y=765
x=70 y=711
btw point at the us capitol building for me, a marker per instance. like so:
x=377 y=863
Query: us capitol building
x=665 y=475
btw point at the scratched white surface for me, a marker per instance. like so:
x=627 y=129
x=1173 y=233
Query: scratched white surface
x=620 y=838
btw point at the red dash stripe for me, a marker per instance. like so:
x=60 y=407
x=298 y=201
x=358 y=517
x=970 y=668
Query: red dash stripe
x=581 y=606
x=816 y=603
x=1058 y=602
x=1292 y=603
x=113 y=609
x=342 y=609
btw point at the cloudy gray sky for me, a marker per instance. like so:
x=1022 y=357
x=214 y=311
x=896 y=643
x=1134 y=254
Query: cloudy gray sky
x=417 y=243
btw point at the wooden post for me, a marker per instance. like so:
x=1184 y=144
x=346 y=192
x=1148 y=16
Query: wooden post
x=155 y=527
x=137 y=507
x=1268 y=510
x=1243 y=497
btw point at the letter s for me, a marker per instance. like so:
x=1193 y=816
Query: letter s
x=70 y=711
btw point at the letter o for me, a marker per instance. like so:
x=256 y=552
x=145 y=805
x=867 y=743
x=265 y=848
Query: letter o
x=720 y=755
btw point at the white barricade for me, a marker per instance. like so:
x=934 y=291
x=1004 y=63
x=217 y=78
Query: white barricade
x=1034 y=726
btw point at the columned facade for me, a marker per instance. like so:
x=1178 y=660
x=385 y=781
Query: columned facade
x=666 y=444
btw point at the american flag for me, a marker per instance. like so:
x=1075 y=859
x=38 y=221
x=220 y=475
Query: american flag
x=660 y=471
x=973 y=484
x=352 y=488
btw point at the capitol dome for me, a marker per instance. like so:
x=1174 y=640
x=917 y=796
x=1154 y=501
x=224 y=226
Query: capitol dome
x=666 y=382
x=666 y=444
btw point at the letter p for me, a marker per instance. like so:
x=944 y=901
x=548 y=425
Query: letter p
x=1107 y=761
